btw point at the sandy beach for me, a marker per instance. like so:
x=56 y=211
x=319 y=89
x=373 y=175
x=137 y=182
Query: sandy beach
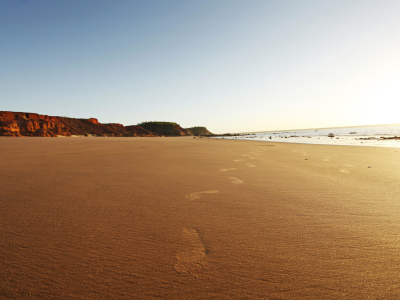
x=185 y=218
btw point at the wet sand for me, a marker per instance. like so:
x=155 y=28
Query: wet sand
x=184 y=218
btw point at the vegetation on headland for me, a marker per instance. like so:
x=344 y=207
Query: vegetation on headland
x=198 y=130
x=164 y=128
x=173 y=129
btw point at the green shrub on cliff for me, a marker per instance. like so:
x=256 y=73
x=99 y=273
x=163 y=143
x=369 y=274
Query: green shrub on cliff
x=198 y=130
x=163 y=128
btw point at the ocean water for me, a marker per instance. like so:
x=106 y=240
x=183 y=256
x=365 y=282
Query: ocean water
x=376 y=136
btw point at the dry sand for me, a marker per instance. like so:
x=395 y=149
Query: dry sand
x=184 y=218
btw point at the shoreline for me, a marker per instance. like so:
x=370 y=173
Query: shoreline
x=318 y=128
x=217 y=138
x=304 y=143
x=380 y=136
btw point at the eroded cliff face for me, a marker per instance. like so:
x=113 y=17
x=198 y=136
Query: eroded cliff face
x=140 y=131
x=31 y=124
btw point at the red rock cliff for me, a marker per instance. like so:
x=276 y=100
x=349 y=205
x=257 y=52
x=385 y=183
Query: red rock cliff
x=30 y=124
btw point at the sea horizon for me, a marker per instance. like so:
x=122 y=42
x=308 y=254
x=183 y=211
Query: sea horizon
x=370 y=135
x=314 y=128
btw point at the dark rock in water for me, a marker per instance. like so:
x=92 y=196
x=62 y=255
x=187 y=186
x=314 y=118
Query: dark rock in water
x=331 y=135
x=368 y=138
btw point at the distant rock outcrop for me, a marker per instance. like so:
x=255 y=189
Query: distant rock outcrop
x=198 y=131
x=165 y=128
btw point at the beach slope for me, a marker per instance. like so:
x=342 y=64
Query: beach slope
x=184 y=218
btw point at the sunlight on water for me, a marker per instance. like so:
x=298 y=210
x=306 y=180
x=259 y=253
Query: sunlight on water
x=381 y=136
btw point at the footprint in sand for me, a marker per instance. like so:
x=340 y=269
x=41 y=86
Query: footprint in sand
x=229 y=169
x=198 y=195
x=350 y=166
x=236 y=180
x=250 y=166
x=193 y=256
x=238 y=160
x=251 y=157
x=344 y=171
x=326 y=158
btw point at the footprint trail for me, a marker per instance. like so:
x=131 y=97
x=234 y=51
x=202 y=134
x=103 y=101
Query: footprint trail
x=236 y=180
x=193 y=256
x=229 y=169
x=198 y=195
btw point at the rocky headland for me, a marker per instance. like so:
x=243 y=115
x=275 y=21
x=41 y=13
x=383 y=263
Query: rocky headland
x=199 y=131
x=31 y=124
x=174 y=129
x=165 y=128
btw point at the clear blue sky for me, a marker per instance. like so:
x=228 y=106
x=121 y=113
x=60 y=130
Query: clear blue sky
x=229 y=65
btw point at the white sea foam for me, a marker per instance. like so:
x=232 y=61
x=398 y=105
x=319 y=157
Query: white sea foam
x=355 y=136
